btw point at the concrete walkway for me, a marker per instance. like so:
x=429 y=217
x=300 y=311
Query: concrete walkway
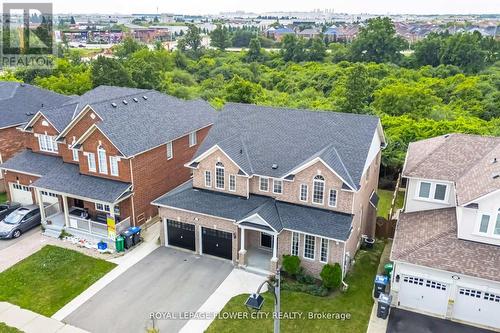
x=31 y=322
x=237 y=282
x=124 y=263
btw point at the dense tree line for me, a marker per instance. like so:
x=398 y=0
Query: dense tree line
x=414 y=102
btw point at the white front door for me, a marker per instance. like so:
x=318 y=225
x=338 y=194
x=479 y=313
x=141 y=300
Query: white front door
x=423 y=295
x=477 y=306
x=21 y=193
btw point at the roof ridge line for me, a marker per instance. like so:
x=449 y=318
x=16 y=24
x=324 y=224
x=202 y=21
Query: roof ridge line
x=345 y=169
x=467 y=170
x=433 y=150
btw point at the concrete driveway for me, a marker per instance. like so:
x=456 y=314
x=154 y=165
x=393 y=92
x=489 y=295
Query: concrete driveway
x=401 y=321
x=167 y=280
x=5 y=243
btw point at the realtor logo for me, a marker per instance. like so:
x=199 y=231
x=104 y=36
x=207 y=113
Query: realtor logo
x=27 y=35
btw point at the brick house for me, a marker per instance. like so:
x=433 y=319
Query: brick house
x=272 y=181
x=18 y=103
x=106 y=154
x=446 y=248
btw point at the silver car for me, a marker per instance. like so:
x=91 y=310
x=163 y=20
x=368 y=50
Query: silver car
x=20 y=221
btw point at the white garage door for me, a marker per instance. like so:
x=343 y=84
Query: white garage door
x=423 y=295
x=477 y=306
x=21 y=194
x=48 y=197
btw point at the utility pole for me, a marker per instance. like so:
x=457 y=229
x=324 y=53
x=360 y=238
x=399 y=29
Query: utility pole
x=277 y=304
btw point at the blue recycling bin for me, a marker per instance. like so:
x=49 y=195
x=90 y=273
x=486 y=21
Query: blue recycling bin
x=136 y=232
x=129 y=239
x=102 y=246
x=381 y=282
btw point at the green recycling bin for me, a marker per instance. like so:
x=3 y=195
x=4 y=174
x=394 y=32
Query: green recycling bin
x=120 y=244
x=388 y=269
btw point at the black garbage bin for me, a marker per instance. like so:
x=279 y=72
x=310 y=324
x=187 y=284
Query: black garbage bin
x=136 y=232
x=129 y=239
x=381 y=282
x=384 y=306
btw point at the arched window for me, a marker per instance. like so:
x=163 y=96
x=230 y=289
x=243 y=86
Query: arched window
x=219 y=175
x=101 y=160
x=318 y=189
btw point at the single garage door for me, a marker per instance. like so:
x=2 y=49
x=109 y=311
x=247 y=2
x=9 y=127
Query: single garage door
x=217 y=243
x=21 y=193
x=181 y=234
x=477 y=306
x=423 y=295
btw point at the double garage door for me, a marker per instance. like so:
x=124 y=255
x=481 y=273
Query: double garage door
x=474 y=306
x=213 y=242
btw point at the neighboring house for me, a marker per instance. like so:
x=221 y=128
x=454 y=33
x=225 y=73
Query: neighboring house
x=446 y=248
x=279 y=33
x=107 y=153
x=309 y=33
x=18 y=103
x=331 y=34
x=273 y=181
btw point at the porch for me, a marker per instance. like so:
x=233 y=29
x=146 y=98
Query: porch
x=258 y=250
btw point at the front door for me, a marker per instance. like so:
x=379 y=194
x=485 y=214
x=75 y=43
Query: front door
x=266 y=240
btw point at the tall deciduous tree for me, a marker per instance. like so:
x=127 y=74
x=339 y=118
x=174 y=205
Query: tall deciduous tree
x=110 y=72
x=254 y=51
x=219 y=38
x=192 y=39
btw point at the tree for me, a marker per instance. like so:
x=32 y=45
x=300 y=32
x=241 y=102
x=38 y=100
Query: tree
x=427 y=51
x=377 y=42
x=127 y=47
x=317 y=51
x=293 y=48
x=72 y=21
x=331 y=276
x=108 y=71
x=242 y=38
x=254 y=52
x=357 y=91
x=242 y=91
x=219 y=38
x=192 y=39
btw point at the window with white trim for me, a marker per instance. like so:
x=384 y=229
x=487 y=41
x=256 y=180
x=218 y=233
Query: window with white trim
x=264 y=184
x=102 y=207
x=113 y=165
x=484 y=224
x=295 y=244
x=170 y=150
x=74 y=151
x=318 y=189
x=208 y=178
x=303 y=192
x=91 y=161
x=496 y=231
x=101 y=160
x=432 y=191
x=192 y=139
x=47 y=143
x=232 y=183
x=219 y=175
x=324 y=250
x=332 y=198
x=309 y=246
x=277 y=186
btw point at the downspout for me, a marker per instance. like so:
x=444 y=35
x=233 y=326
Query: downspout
x=132 y=197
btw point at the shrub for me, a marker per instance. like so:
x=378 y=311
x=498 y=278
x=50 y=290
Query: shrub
x=305 y=279
x=291 y=264
x=331 y=276
x=311 y=289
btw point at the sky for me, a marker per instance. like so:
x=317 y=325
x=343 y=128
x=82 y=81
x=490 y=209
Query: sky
x=259 y=6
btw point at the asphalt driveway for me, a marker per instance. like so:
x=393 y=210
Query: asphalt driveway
x=401 y=321
x=166 y=281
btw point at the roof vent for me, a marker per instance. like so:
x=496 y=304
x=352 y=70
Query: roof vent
x=113 y=105
x=135 y=99
x=145 y=97
x=125 y=102
x=22 y=84
x=275 y=166
x=446 y=136
x=494 y=160
x=496 y=176
x=241 y=151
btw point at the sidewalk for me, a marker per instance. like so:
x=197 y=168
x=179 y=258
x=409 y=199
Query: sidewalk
x=124 y=262
x=237 y=282
x=31 y=322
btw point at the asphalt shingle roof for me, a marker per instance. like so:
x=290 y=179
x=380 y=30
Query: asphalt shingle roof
x=32 y=163
x=280 y=215
x=68 y=179
x=19 y=102
x=259 y=136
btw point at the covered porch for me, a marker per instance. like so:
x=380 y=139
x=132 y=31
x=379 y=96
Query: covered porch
x=258 y=248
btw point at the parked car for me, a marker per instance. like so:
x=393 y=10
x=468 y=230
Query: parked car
x=8 y=207
x=19 y=221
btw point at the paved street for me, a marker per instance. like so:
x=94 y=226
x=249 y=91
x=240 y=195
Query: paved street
x=167 y=280
x=401 y=321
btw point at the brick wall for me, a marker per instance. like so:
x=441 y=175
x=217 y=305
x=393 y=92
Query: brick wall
x=208 y=163
x=154 y=174
x=41 y=126
x=76 y=132
x=23 y=179
x=11 y=141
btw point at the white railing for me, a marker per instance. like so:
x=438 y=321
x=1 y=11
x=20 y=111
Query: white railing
x=96 y=228
x=52 y=209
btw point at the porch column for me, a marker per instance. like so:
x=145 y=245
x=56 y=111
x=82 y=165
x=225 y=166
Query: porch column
x=242 y=252
x=274 y=259
x=66 y=210
x=40 y=204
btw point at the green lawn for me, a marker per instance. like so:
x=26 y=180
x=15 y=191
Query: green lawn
x=50 y=278
x=3 y=197
x=357 y=301
x=385 y=200
x=7 y=329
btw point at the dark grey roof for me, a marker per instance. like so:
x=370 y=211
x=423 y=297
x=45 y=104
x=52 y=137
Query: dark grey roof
x=256 y=137
x=68 y=179
x=19 y=102
x=279 y=215
x=138 y=126
x=60 y=116
x=257 y=226
x=32 y=163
